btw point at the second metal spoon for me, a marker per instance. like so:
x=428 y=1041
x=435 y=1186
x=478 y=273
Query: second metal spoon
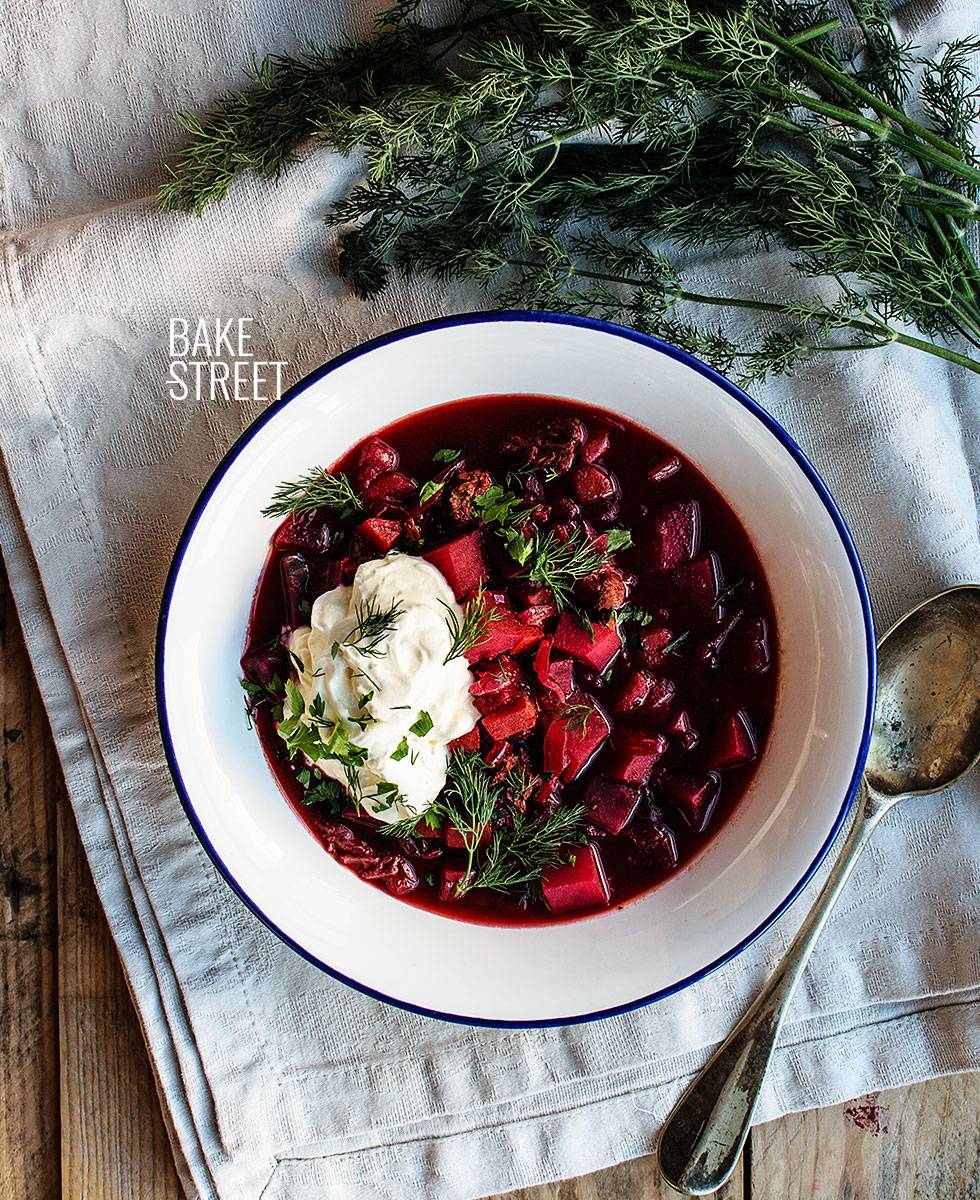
x=926 y=735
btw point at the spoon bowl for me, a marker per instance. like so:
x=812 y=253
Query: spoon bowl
x=925 y=736
x=926 y=730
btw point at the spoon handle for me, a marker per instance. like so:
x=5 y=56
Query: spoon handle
x=704 y=1135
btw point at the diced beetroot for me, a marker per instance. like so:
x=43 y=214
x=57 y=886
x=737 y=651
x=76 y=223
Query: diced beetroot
x=653 y=845
x=751 y=647
x=548 y=792
x=694 y=796
x=664 y=469
x=376 y=457
x=580 y=884
x=393 y=487
x=542 y=660
x=494 y=701
x=561 y=677
x=303 y=531
x=662 y=690
x=557 y=675
x=611 y=804
x=529 y=595
x=463 y=563
x=676 y=535
x=517 y=716
x=653 y=642
x=700 y=581
x=595 y=650
x=260 y=664
x=449 y=882
x=595 y=447
x=295 y=574
x=539 y=615
x=686 y=733
x=378 y=532
x=633 y=691
x=734 y=742
x=467 y=741
x=456 y=841
x=569 y=746
x=326 y=574
x=593 y=484
x=504 y=675
x=506 y=634
x=635 y=756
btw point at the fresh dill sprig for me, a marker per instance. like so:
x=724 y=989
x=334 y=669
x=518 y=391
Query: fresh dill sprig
x=568 y=154
x=318 y=488
x=374 y=623
x=468 y=801
x=409 y=826
x=471 y=631
x=557 y=563
x=519 y=854
x=575 y=717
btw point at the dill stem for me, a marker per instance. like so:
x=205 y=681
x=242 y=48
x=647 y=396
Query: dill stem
x=884 y=332
x=846 y=116
x=846 y=83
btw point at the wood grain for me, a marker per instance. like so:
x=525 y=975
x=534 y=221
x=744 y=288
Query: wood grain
x=79 y=1116
x=636 y=1180
x=113 y=1141
x=913 y=1143
x=29 y=779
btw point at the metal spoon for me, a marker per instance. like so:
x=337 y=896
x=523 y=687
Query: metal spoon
x=926 y=735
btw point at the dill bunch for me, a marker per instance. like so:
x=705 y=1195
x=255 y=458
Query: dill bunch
x=570 y=154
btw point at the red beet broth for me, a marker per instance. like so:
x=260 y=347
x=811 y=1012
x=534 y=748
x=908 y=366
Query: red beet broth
x=723 y=695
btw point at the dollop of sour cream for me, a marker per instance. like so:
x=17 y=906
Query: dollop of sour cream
x=382 y=694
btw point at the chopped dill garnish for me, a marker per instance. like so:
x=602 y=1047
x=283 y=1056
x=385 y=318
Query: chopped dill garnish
x=518 y=855
x=316 y=489
x=557 y=563
x=472 y=630
x=373 y=626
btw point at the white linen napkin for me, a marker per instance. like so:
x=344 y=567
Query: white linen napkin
x=278 y=1082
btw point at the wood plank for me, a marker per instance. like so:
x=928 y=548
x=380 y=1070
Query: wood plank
x=636 y=1180
x=913 y=1143
x=29 y=778
x=113 y=1145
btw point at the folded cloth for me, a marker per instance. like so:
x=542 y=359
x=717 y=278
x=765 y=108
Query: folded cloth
x=277 y=1081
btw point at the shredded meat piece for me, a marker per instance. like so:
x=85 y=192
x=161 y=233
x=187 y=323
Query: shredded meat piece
x=606 y=588
x=551 y=446
x=394 y=871
x=466 y=486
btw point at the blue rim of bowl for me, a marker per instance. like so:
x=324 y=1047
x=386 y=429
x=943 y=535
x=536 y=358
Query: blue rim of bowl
x=549 y=318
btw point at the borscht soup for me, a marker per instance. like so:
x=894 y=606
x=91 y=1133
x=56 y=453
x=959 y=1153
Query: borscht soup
x=512 y=659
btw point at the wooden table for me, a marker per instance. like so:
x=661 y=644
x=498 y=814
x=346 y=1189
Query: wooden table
x=79 y=1117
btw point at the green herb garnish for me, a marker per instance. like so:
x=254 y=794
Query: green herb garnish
x=473 y=629
x=373 y=626
x=423 y=725
x=575 y=717
x=558 y=563
x=584 y=150
x=446 y=456
x=317 y=489
x=430 y=489
x=618 y=539
x=519 y=854
x=400 y=751
x=674 y=645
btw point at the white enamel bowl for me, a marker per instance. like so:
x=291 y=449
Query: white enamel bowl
x=697 y=920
